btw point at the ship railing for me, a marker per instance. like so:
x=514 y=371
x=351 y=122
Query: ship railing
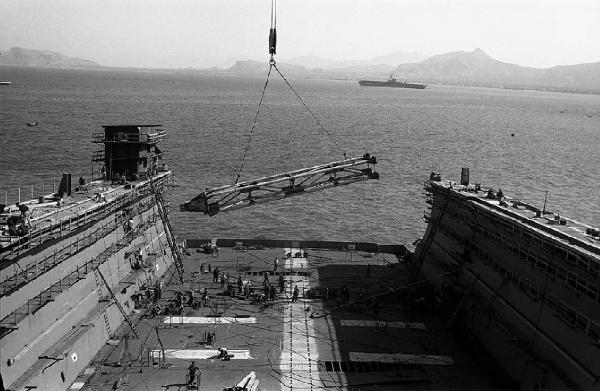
x=98 y=156
x=75 y=221
x=11 y=321
x=137 y=138
x=22 y=276
x=26 y=193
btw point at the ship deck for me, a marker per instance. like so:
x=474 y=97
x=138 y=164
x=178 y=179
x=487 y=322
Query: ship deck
x=384 y=333
x=547 y=223
x=49 y=219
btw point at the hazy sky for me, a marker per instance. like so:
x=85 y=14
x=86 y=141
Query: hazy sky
x=201 y=33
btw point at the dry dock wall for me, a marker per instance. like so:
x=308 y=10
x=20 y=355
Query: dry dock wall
x=50 y=346
x=521 y=293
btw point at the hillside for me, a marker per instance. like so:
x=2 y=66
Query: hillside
x=41 y=58
x=479 y=69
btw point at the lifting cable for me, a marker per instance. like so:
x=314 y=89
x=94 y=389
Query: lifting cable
x=310 y=111
x=272 y=64
x=253 y=126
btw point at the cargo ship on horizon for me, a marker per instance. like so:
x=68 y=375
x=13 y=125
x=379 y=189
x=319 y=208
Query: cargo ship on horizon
x=391 y=82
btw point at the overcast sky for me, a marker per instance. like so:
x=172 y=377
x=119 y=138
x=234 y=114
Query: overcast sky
x=201 y=33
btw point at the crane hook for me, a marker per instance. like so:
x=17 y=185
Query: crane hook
x=273 y=31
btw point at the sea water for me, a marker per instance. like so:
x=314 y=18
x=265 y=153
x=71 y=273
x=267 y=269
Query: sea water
x=525 y=142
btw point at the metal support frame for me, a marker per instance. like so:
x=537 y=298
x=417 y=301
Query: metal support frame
x=119 y=306
x=162 y=211
x=276 y=187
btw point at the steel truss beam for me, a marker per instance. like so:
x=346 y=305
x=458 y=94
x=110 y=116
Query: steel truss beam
x=276 y=187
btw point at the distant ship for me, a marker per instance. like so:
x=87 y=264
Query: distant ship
x=5 y=83
x=391 y=82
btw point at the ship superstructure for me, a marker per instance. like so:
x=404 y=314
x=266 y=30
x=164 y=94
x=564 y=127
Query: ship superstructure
x=522 y=280
x=66 y=276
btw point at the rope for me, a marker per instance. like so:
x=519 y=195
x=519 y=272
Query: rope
x=254 y=123
x=308 y=109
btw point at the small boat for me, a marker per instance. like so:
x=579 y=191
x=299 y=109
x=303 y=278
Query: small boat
x=32 y=124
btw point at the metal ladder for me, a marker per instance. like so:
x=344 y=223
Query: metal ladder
x=429 y=238
x=119 y=306
x=168 y=231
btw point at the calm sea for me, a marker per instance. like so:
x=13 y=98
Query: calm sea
x=556 y=144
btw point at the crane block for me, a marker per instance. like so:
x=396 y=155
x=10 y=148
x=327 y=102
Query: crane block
x=278 y=186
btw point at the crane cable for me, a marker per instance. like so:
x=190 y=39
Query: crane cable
x=310 y=111
x=272 y=64
x=253 y=125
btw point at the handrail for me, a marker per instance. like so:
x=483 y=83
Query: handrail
x=42 y=235
x=37 y=268
x=142 y=138
x=41 y=299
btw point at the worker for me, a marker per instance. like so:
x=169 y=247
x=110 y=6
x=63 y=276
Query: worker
x=215 y=274
x=129 y=226
x=499 y=194
x=275 y=264
x=24 y=213
x=205 y=297
x=158 y=287
x=281 y=283
x=247 y=289
x=191 y=375
x=295 y=295
x=178 y=299
x=103 y=172
x=272 y=292
x=223 y=355
x=240 y=283
x=190 y=300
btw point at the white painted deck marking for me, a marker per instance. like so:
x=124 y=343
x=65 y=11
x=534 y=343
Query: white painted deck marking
x=382 y=324
x=294 y=263
x=299 y=358
x=422 y=359
x=207 y=320
x=201 y=354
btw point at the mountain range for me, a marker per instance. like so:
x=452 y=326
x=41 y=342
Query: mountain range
x=43 y=59
x=391 y=59
x=475 y=68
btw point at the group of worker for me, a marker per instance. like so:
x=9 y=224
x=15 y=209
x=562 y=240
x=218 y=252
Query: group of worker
x=152 y=294
x=19 y=225
x=495 y=195
x=243 y=288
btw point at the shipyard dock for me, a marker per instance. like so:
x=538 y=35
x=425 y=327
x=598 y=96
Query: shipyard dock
x=69 y=260
x=359 y=322
x=520 y=279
